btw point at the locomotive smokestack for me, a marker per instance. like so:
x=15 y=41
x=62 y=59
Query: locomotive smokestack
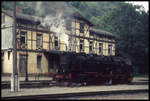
x=18 y=9
x=59 y=13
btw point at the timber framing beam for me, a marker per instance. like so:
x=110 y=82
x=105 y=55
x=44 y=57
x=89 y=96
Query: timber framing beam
x=92 y=39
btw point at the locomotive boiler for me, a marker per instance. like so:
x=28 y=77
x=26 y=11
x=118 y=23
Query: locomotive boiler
x=93 y=69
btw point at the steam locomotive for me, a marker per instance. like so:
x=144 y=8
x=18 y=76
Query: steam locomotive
x=93 y=69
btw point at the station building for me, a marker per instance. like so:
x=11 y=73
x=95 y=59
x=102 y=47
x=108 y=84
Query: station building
x=38 y=47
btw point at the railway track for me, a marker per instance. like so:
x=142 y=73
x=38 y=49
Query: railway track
x=6 y=85
x=75 y=95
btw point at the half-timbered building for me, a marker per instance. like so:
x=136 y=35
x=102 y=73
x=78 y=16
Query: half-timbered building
x=38 y=47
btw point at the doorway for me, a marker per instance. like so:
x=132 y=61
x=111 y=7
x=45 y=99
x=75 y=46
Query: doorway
x=22 y=64
x=53 y=62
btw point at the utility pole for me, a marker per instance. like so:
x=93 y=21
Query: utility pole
x=26 y=78
x=14 y=78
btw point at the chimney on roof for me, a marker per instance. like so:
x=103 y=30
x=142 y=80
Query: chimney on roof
x=59 y=13
x=18 y=9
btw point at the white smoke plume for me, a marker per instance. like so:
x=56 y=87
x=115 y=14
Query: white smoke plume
x=56 y=24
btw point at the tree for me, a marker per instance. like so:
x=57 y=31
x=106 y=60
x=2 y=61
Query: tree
x=131 y=23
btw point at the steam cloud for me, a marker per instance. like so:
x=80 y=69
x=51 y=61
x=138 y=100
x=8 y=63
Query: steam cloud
x=56 y=24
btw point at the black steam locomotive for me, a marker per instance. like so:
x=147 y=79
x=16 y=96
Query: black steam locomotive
x=93 y=69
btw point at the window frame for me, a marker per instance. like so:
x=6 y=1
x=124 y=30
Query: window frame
x=56 y=42
x=40 y=40
x=3 y=18
x=109 y=49
x=39 y=60
x=101 y=48
x=81 y=45
x=90 y=46
x=23 y=34
x=25 y=59
x=9 y=53
x=82 y=27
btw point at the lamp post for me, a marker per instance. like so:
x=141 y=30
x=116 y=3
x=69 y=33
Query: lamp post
x=14 y=78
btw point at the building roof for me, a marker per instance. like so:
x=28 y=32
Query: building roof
x=102 y=32
x=78 y=16
x=22 y=16
x=38 y=20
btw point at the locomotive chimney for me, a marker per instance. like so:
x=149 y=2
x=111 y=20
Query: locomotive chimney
x=59 y=13
x=18 y=9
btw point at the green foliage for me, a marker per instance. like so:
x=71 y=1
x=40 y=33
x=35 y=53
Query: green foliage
x=6 y=5
x=132 y=26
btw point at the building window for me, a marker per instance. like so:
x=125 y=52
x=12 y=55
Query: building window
x=2 y=59
x=56 y=42
x=2 y=55
x=81 y=27
x=8 y=55
x=68 y=24
x=91 y=34
x=3 y=18
x=39 y=61
x=101 y=48
x=23 y=38
x=39 y=41
x=81 y=45
x=22 y=63
x=90 y=46
x=109 y=49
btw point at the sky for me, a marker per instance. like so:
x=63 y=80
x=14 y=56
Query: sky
x=145 y=4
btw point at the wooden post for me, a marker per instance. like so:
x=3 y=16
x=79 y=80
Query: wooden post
x=26 y=46
x=14 y=78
